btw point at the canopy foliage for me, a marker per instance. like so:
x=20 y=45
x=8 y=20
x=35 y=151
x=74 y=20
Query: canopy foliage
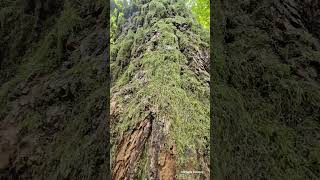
x=119 y=8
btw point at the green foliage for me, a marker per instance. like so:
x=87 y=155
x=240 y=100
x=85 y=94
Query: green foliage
x=201 y=9
x=116 y=17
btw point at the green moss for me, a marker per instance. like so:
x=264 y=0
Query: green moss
x=158 y=76
x=157 y=7
x=153 y=10
x=266 y=112
x=143 y=166
x=66 y=24
x=175 y=96
x=73 y=136
x=46 y=56
x=32 y=121
x=59 y=158
x=180 y=8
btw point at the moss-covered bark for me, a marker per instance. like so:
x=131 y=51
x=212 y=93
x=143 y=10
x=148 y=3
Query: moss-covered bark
x=160 y=66
x=266 y=102
x=53 y=100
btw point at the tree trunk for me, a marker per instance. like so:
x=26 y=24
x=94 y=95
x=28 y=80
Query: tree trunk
x=53 y=104
x=265 y=89
x=160 y=95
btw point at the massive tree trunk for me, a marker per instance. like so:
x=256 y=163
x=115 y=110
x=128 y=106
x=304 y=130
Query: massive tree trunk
x=266 y=93
x=160 y=94
x=53 y=100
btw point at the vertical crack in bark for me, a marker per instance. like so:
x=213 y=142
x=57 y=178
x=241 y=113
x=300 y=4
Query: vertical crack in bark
x=130 y=149
x=167 y=59
x=155 y=150
x=162 y=152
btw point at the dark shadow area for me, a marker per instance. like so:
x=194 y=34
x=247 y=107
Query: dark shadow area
x=54 y=89
x=265 y=91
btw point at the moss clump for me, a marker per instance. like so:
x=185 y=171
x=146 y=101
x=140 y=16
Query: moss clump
x=157 y=8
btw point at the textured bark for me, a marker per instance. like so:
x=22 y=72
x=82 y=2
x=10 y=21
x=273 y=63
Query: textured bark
x=130 y=150
x=168 y=164
x=53 y=103
x=154 y=150
x=159 y=65
x=266 y=89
